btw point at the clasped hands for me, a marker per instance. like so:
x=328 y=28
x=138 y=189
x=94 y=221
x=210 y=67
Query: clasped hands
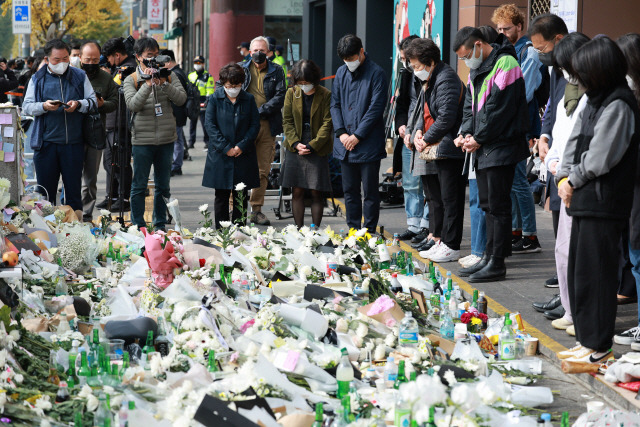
x=466 y=143
x=234 y=152
x=349 y=141
x=302 y=149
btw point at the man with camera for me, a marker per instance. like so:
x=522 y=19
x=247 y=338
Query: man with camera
x=57 y=96
x=149 y=94
x=106 y=91
x=206 y=84
x=122 y=64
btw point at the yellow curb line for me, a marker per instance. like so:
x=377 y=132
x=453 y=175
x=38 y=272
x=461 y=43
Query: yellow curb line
x=543 y=338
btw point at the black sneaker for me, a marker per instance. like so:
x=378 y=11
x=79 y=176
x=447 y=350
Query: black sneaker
x=103 y=204
x=527 y=245
x=115 y=207
x=552 y=283
x=408 y=234
x=176 y=172
x=424 y=232
x=515 y=239
x=628 y=337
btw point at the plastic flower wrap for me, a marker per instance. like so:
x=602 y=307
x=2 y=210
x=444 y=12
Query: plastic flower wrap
x=5 y=197
x=160 y=255
x=78 y=248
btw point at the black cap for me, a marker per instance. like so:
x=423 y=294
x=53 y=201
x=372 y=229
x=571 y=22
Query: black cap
x=199 y=58
x=245 y=45
x=272 y=43
x=279 y=48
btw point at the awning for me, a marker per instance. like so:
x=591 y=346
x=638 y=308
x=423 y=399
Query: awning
x=173 y=33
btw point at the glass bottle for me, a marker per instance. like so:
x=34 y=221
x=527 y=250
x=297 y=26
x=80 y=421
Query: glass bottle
x=564 y=422
x=212 y=366
x=507 y=344
x=346 y=404
x=432 y=418
x=111 y=255
x=84 y=372
x=344 y=374
x=162 y=343
x=63 y=326
x=482 y=307
x=63 y=393
x=61 y=282
x=447 y=329
x=103 y=417
x=401 y=378
x=410 y=266
x=319 y=415
x=474 y=303
x=53 y=377
x=72 y=377
x=148 y=348
x=77 y=420
x=125 y=363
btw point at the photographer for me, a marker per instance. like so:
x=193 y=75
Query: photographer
x=122 y=64
x=149 y=94
x=8 y=80
x=57 y=96
x=107 y=95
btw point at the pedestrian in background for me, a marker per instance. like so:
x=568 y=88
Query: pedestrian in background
x=308 y=140
x=206 y=84
x=593 y=182
x=179 y=112
x=358 y=98
x=233 y=122
x=265 y=81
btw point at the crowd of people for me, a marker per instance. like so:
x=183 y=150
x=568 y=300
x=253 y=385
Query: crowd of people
x=484 y=133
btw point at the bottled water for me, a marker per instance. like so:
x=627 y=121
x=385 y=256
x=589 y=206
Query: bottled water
x=408 y=335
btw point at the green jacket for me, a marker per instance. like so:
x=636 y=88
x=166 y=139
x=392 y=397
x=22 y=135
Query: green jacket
x=321 y=124
x=205 y=86
x=149 y=129
x=103 y=83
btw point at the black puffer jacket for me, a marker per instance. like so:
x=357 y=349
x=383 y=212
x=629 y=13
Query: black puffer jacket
x=445 y=98
x=496 y=113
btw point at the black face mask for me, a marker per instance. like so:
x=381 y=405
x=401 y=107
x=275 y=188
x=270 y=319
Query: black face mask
x=91 y=69
x=259 y=57
x=546 y=58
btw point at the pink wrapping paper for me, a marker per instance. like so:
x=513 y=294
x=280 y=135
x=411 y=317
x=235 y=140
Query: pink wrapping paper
x=161 y=261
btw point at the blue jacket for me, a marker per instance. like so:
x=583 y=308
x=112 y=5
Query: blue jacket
x=75 y=86
x=357 y=107
x=275 y=89
x=556 y=92
x=229 y=125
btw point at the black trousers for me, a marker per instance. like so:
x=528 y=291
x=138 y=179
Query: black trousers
x=109 y=157
x=626 y=281
x=494 y=194
x=453 y=187
x=354 y=177
x=433 y=197
x=221 y=206
x=193 y=127
x=594 y=254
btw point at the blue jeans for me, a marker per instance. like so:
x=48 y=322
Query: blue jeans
x=178 y=149
x=144 y=156
x=414 y=205
x=523 y=213
x=478 y=223
x=634 y=257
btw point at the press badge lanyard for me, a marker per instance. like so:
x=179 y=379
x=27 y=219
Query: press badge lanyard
x=157 y=106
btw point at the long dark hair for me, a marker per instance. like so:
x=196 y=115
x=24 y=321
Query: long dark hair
x=564 y=49
x=630 y=46
x=600 y=66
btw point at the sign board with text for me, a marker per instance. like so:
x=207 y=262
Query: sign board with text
x=21 y=16
x=155 y=12
x=283 y=7
x=568 y=11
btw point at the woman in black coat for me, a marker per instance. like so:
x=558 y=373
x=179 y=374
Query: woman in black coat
x=443 y=104
x=232 y=122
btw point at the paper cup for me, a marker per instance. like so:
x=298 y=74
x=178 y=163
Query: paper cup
x=595 y=406
x=530 y=346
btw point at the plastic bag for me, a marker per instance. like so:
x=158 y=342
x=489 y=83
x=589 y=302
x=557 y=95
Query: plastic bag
x=531 y=396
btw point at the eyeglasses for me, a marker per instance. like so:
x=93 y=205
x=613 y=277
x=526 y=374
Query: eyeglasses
x=539 y=51
x=504 y=29
x=466 y=56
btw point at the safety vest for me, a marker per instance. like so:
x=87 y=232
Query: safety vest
x=207 y=87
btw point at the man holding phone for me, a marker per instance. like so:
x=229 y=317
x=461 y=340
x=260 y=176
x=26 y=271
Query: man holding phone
x=57 y=97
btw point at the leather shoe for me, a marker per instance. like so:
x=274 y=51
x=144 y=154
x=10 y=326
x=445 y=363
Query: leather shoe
x=423 y=234
x=494 y=270
x=428 y=245
x=465 y=272
x=554 y=314
x=541 y=307
x=420 y=243
x=407 y=234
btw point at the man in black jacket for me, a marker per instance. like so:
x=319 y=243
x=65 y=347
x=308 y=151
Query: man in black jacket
x=122 y=65
x=180 y=113
x=414 y=206
x=495 y=124
x=8 y=80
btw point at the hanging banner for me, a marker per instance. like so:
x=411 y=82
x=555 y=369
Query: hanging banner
x=568 y=11
x=155 y=12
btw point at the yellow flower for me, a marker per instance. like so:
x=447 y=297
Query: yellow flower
x=475 y=321
x=352 y=231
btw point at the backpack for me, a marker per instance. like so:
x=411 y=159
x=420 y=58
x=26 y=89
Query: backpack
x=193 y=101
x=541 y=95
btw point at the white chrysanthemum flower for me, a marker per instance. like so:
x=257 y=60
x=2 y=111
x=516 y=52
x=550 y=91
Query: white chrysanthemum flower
x=450 y=377
x=225 y=224
x=105 y=212
x=5 y=184
x=203 y=208
x=92 y=403
x=241 y=186
x=362 y=330
x=361 y=232
x=342 y=326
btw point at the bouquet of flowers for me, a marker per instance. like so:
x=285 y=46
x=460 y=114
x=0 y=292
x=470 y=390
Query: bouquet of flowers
x=474 y=318
x=159 y=252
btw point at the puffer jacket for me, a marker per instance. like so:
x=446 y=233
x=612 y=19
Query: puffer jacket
x=149 y=129
x=496 y=113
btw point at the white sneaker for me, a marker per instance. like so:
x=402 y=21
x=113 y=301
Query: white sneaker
x=445 y=254
x=468 y=261
x=569 y=353
x=581 y=355
x=431 y=251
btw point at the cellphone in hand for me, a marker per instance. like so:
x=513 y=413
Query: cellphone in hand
x=59 y=103
x=98 y=94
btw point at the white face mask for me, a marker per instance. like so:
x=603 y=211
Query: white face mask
x=423 y=75
x=198 y=67
x=353 y=65
x=631 y=83
x=60 y=68
x=569 y=79
x=75 y=61
x=233 y=92
x=306 y=88
x=474 y=62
